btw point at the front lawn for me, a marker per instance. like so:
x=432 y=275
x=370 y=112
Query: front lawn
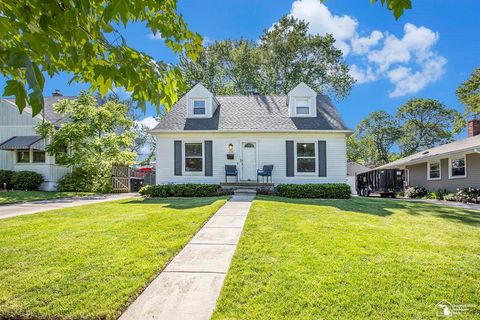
x=24 y=196
x=90 y=261
x=352 y=259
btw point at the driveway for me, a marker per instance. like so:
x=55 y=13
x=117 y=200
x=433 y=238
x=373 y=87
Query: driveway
x=18 y=209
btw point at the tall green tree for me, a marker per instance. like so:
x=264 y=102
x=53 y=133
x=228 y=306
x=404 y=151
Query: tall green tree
x=376 y=135
x=80 y=37
x=426 y=123
x=469 y=94
x=279 y=60
x=91 y=139
x=225 y=67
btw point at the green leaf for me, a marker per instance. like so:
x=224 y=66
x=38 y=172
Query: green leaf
x=17 y=89
x=36 y=102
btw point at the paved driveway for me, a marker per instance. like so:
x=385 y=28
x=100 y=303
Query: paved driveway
x=18 y=209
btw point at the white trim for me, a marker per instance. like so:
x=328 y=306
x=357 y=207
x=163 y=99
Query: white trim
x=439 y=168
x=249 y=131
x=315 y=148
x=464 y=157
x=309 y=106
x=184 y=155
x=204 y=115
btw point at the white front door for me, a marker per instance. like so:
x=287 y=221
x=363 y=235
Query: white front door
x=249 y=161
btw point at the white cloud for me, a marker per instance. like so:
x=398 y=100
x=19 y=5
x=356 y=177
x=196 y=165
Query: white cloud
x=362 y=76
x=362 y=45
x=321 y=21
x=149 y=122
x=409 y=62
x=156 y=36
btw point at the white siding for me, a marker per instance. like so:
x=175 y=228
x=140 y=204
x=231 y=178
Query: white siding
x=12 y=123
x=270 y=150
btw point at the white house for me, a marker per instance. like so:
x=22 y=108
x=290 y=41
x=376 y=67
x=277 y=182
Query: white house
x=20 y=146
x=300 y=134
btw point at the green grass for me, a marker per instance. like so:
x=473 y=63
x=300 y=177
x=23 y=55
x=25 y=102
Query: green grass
x=352 y=259
x=24 y=196
x=90 y=261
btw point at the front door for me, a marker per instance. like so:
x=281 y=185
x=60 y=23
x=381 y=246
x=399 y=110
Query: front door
x=249 y=161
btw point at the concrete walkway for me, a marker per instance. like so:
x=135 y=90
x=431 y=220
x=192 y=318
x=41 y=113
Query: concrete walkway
x=18 y=209
x=467 y=206
x=189 y=286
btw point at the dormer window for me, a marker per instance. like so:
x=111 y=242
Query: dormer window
x=302 y=106
x=199 y=106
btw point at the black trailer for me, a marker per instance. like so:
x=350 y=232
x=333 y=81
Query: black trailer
x=386 y=182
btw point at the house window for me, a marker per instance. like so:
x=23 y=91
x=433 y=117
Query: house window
x=434 y=171
x=39 y=156
x=199 y=107
x=23 y=156
x=306 y=160
x=302 y=107
x=458 y=167
x=193 y=157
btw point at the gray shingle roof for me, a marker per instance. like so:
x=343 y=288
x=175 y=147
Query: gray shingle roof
x=22 y=142
x=50 y=115
x=257 y=113
x=463 y=145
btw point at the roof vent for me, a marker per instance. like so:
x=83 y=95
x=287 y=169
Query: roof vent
x=57 y=93
x=425 y=152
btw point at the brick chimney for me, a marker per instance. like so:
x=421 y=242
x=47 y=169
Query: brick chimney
x=473 y=127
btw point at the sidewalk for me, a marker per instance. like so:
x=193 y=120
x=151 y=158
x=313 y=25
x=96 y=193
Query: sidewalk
x=18 y=209
x=467 y=206
x=189 y=286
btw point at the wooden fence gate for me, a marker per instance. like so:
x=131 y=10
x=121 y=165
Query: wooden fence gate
x=121 y=179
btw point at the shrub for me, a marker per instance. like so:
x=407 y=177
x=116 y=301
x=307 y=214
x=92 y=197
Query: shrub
x=467 y=195
x=26 y=180
x=81 y=180
x=6 y=178
x=415 y=192
x=180 y=190
x=77 y=181
x=323 y=191
x=449 y=197
x=437 y=195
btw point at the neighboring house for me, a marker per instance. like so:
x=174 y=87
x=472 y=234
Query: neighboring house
x=300 y=134
x=353 y=169
x=449 y=166
x=20 y=146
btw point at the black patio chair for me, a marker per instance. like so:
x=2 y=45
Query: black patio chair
x=265 y=172
x=231 y=170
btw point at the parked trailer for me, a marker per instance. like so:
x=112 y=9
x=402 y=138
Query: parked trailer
x=386 y=182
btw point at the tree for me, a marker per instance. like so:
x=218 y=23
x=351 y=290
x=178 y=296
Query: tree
x=426 y=123
x=225 y=67
x=290 y=55
x=284 y=56
x=376 y=135
x=469 y=94
x=80 y=37
x=92 y=139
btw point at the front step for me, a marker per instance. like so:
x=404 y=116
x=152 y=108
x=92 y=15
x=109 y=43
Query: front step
x=245 y=191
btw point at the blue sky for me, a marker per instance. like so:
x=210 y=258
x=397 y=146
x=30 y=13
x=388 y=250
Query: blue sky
x=427 y=53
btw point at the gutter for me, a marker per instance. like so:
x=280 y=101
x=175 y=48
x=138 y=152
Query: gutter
x=249 y=131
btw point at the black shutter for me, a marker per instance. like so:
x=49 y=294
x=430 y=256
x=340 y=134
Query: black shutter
x=290 y=158
x=177 y=157
x=208 y=158
x=322 y=158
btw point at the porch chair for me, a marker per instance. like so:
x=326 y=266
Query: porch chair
x=231 y=170
x=265 y=172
